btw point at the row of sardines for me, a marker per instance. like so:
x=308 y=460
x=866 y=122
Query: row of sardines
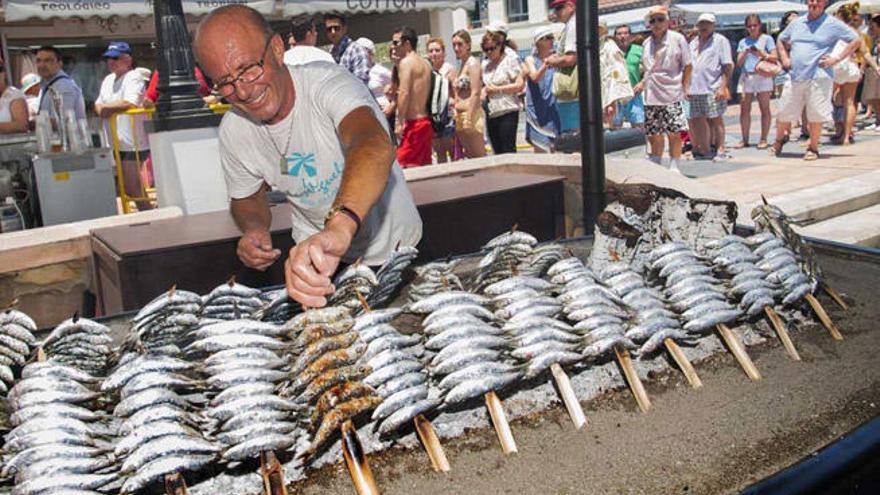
x=202 y=384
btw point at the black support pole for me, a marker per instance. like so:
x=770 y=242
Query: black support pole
x=590 y=100
x=179 y=105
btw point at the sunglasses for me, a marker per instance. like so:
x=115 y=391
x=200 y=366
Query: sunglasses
x=655 y=20
x=489 y=49
x=333 y=29
x=396 y=42
x=111 y=58
x=559 y=7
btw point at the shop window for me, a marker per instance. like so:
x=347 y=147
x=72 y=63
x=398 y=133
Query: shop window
x=480 y=14
x=517 y=10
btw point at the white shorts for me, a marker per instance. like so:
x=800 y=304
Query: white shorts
x=751 y=83
x=814 y=95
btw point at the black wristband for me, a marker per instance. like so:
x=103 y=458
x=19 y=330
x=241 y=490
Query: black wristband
x=346 y=211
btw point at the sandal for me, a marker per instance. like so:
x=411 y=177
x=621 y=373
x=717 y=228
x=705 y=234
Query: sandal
x=762 y=145
x=776 y=149
x=741 y=144
x=811 y=155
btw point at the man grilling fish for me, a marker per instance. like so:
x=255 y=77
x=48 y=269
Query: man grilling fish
x=314 y=132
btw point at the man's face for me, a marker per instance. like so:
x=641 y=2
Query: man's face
x=815 y=8
x=398 y=50
x=119 y=65
x=659 y=24
x=259 y=92
x=335 y=30
x=623 y=37
x=47 y=64
x=705 y=29
x=564 y=11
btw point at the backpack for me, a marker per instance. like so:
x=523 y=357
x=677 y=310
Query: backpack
x=438 y=102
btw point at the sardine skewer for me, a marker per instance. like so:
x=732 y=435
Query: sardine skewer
x=632 y=378
x=683 y=363
x=424 y=428
x=499 y=421
x=431 y=442
x=356 y=461
x=782 y=332
x=572 y=404
x=272 y=473
x=738 y=351
x=823 y=317
x=175 y=484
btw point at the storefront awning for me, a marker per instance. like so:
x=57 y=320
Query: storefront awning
x=734 y=13
x=296 y=7
x=634 y=18
x=19 y=10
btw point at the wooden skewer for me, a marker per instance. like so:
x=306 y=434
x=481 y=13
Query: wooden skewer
x=41 y=354
x=823 y=317
x=836 y=296
x=11 y=304
x=683 y=363
x=272 y=473
x=175 y=484
x=356 y=460
x=632 y=377
x=782 y=332
x=738 y=351
x=499 y=420
x=572 y=404
x=431 y=442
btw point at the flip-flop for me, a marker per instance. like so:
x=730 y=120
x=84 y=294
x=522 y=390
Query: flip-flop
x=811 y=155
x=776 y=149
x=762 y=145
x=740 y=145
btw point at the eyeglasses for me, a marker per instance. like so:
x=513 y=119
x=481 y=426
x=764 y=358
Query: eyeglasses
x=655 y=20
x=489 y=49
x=332 y=28
x=247 y=75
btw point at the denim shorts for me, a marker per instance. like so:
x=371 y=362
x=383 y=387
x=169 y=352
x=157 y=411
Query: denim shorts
x=632 y=111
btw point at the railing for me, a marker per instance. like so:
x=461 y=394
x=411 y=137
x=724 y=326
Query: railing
x=132 y=114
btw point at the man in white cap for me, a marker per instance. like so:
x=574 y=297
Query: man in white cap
x=708 y=93
x=380 y=76
x=666 y=57
x=302 y=40
x=30 y=86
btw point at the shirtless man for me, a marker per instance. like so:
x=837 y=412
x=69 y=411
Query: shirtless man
x=413 y=126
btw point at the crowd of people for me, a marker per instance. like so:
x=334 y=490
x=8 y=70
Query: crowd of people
x=673 y=82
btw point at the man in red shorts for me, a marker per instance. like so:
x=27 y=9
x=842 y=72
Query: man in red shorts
x=413 y=126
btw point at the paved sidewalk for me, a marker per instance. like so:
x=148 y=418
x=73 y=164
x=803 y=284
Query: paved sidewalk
x=752 y=173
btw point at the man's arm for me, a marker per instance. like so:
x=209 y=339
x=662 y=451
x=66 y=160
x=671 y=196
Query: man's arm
x=107 y=109
x=404 y=92
x=782 y=52
x=254 y=218
x=686 y=78
x=851 y=47
x=369 y=156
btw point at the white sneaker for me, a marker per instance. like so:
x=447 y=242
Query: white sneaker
x=673 y=166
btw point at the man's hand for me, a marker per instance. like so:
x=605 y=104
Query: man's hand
x=720 y=93
x=255 y=250
x=312 y=262
x=828 y=61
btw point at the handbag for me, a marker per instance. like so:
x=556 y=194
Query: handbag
x=768 y=68
x=565 y=83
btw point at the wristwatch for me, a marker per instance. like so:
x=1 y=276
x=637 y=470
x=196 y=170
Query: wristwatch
x=345 y=211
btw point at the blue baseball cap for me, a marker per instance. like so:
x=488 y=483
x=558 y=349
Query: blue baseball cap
x=116 y=49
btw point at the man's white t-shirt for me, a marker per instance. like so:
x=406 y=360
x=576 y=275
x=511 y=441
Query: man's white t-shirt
x=130 y=87
x=303 y=54
x=313 y=161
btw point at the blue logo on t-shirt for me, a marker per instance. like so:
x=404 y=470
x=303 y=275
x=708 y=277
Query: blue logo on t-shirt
x=301 y=161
